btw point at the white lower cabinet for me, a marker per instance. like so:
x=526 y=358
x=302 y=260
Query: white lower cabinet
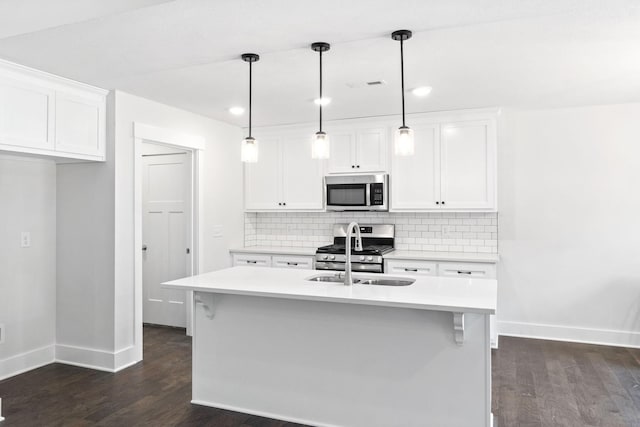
x=251 y=260
x=415 y=268
x=475 y=270
x=275 y=261
x=282 y=261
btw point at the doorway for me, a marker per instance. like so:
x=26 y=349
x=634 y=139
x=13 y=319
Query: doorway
x=166 y=232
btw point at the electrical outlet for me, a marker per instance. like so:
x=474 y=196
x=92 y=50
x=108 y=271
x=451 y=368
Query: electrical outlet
x=447 y=231
x=25 y=239
x=217 y=231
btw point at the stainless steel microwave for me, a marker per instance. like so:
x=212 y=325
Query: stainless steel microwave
x=357 y=192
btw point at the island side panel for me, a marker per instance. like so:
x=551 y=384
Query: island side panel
x=333 y=364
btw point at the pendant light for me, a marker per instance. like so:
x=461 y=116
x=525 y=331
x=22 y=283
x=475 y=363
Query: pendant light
x=249 y=147
x=403 y=141
x=320 y=147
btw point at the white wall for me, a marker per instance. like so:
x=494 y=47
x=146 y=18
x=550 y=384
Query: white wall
x=570 y=224
x=96 y=228
x=221 y=190
x=27 y=275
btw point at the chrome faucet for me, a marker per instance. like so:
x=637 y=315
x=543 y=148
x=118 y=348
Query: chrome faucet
x=348 y=280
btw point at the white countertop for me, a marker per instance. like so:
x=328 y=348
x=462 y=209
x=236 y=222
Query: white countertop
x=275 y=250
x=443 y=256
x=453 y=294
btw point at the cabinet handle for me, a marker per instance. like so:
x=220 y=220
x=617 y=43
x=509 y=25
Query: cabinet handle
x=284 y=204
x=279 y=203
x=411 y=269
x=358 y=166
x=251 y=262
x=437 y=203
x=463 y=272
x=353 y=166
x=292 y=263
x=443 y=202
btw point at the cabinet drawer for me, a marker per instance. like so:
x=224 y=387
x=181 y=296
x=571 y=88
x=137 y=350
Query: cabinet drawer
x=475 y=270
x=293 y=262
x=414 y=268
x=252 y=260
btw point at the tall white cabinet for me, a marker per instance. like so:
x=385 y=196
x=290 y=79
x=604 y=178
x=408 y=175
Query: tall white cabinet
x=48 y=115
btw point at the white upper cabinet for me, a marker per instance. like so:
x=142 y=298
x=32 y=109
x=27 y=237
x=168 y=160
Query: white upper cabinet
x=453 y=168
x=343 y=152
x=79 y=121
x=302 y=176
x=48 y=115
x=25 y=114
x=285 y=176
x=360 y=150
x=262 y=179
x=467 y=162
x=415 y=180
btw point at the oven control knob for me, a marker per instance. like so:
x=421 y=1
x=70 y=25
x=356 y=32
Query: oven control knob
x=369 y=258
x=325 y=256
x=361 y=258
x=332 y=257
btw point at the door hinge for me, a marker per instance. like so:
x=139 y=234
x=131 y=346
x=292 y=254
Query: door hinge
x=188 y=251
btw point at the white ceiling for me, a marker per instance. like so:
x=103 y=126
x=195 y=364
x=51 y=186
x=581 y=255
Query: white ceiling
x=474 y=53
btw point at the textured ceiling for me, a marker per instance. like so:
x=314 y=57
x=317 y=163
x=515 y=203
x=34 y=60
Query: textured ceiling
x=474 y=53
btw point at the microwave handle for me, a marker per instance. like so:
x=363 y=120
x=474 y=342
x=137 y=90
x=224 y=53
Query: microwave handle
x=368 y=194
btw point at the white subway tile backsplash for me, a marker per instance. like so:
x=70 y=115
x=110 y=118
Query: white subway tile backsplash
x=472 y=231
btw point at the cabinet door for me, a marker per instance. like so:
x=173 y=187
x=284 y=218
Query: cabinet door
x=343 y=152
x=80 y=124
x=251 y=260
x=287 y=261
x=371 y=150
x=468 y=165
x=415 y=180
x=26 y=115
x=262 y=181
x=301 y=174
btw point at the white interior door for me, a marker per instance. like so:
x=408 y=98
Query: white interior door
x=166 y=231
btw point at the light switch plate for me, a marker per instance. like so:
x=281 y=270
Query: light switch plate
x=25 y=239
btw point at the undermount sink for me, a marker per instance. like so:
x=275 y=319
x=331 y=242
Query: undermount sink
x=382 y=281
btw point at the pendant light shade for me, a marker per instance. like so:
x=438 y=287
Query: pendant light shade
x=320 y=145
x=404 y=142
x=249 y=145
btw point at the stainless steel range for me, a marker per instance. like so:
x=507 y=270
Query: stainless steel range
x=377 y=240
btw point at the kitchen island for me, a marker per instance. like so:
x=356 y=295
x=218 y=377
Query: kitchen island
x=268 y=342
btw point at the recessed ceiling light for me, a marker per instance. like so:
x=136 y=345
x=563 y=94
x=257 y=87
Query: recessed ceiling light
x=421 y=91
x=236 y=111
x=322 y=101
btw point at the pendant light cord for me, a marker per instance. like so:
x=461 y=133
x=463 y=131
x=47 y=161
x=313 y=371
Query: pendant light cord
x=402 y=77
x=250 y=79
x=321 y=100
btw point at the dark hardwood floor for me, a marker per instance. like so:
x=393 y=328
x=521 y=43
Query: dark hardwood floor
x=535 y=383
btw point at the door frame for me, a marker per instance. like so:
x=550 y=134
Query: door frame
x=194 y=144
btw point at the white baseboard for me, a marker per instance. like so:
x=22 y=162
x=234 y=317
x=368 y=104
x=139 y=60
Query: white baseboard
x=260 y=413
x=629 y=339
x=26 y=361
x=100 y=360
